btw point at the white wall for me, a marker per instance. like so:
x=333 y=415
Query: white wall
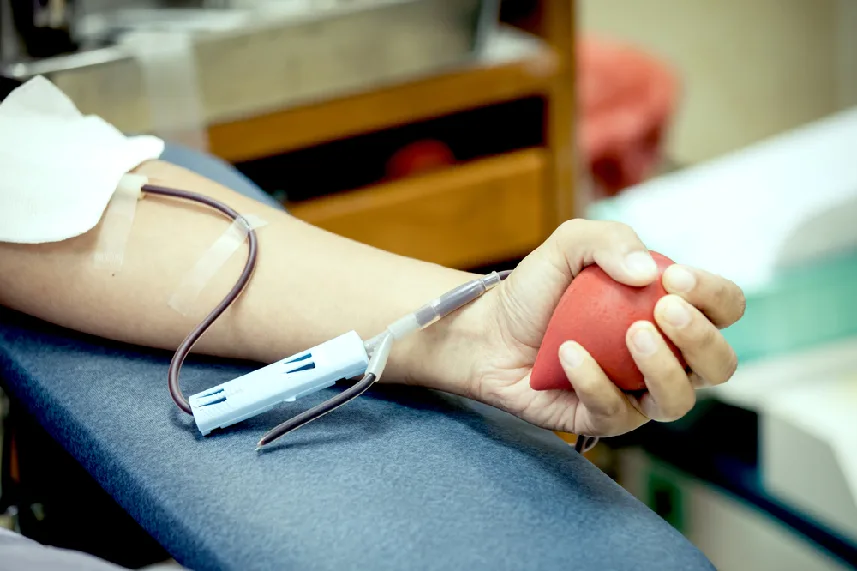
x=750 y=68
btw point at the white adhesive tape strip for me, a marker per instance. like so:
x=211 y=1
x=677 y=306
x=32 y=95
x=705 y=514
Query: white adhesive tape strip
x=117 y=222
x=210 y=263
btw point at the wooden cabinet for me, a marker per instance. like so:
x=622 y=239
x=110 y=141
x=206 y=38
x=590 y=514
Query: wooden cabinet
x=483 y=211
x=480 y=212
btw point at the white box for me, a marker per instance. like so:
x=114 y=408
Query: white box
x=733 y=534
x=807 y=407
x=808 y=448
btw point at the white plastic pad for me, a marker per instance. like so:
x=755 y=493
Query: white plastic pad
x=59 y=168
x=210 y=263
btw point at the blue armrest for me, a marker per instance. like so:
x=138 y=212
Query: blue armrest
x=402 y=478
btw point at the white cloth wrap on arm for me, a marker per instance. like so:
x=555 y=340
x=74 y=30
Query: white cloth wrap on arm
x=59 y=168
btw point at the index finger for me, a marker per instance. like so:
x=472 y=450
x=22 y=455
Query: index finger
x=720 y=299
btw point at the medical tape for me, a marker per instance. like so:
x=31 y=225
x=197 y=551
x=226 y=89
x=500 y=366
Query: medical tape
x=195 y=280
x=117 y=221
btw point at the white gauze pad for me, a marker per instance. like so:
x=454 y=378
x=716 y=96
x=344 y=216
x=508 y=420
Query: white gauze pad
x=59 y=168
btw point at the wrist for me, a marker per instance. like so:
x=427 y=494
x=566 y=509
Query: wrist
x=444 y=355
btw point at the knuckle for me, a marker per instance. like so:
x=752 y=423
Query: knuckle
x=570 y=228
x=671 y=388
x=728 y=296
x=698 y=381
x=666 y=414
x=698 y=335
x=606 y=229
x=704 y=334
x=567 y=236
x=612 y=408
x=622 y=228
x=620 y=232
x=721 y=293
x=680 y=405
x=730 y=366
x=742 y=305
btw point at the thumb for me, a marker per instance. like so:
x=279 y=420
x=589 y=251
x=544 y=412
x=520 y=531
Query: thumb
x=634 y=267
x=615 y=247
x=534 y=289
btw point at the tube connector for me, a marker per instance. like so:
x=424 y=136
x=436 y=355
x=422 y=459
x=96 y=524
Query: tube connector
x=437 y=308
x=455 y=299
x=289 y=379
x=378 y=361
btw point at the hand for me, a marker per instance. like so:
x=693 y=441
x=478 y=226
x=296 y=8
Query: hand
x=698 y=305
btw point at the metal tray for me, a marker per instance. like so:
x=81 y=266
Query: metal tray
x=262 y=62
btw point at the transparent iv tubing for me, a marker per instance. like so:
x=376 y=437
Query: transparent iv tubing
x=439 y=308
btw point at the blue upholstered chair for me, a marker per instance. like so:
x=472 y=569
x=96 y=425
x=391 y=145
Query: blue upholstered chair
x=403 y=478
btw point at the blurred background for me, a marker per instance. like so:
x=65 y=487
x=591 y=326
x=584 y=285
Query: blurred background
x=463 y=132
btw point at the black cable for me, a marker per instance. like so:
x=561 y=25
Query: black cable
x=320 y=410
x=585 y=443
x=197 y=332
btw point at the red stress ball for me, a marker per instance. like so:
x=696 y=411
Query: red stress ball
x=596 y=311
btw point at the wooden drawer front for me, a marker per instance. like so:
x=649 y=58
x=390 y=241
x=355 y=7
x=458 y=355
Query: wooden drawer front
x=465 y=216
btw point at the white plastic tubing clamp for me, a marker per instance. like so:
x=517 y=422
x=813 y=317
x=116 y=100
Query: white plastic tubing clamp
x=343 y=357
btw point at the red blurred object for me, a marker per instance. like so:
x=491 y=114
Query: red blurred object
x=596 y=311
x=419 y=157
x=627 y=99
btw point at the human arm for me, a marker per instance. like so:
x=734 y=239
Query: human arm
x=311 y=286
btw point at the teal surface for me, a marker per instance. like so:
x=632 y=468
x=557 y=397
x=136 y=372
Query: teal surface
x=802 y=308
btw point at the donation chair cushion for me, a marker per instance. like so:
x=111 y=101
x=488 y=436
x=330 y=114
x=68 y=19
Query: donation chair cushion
x=402 y=478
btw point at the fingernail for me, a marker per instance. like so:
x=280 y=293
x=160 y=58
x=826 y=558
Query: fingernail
x=571 y=355
x=641 y=265
x=644 y=341
x=676 y=313
x=698 y=382
x=679 y=280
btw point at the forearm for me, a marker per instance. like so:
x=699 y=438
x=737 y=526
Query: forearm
x=309 y=286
